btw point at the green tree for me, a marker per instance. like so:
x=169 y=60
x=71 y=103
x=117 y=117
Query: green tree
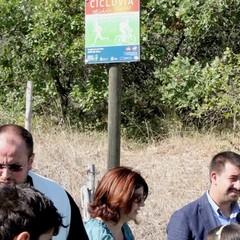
x=189 y=64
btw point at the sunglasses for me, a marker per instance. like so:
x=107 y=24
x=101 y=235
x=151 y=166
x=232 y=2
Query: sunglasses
x=12 y=167
x=139 y=198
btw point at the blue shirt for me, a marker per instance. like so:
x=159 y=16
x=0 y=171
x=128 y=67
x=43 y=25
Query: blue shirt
x=98 y=230
x=220 y=218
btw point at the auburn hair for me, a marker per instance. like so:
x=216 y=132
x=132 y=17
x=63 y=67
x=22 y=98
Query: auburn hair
x=115 y=192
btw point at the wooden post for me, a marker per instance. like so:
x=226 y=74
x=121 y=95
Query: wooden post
x=91 y=181
x=87 y=192
x=114 y=115
x=28 y=114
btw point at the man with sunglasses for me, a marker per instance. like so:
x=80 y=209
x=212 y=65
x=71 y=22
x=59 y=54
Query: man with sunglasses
x=218 y=206
x=16 y=159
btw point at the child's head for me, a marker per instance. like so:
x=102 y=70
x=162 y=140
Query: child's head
x=226 y=232
x=25 y=213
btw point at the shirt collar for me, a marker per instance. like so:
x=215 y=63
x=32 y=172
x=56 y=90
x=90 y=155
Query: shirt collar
x=29 y=180
x=235 y=208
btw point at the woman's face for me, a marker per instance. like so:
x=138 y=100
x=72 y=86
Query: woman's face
x=138 y=202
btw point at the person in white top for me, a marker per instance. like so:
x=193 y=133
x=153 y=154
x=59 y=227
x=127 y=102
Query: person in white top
x=16 y=160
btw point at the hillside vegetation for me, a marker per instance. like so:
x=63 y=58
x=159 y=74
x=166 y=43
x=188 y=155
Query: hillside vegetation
x=188 y=74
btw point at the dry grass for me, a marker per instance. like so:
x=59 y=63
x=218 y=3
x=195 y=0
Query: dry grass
x=176 y=169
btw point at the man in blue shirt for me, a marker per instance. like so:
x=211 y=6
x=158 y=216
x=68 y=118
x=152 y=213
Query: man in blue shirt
x=216 y=207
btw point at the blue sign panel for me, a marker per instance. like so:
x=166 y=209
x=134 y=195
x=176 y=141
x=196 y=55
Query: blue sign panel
x=112 y=54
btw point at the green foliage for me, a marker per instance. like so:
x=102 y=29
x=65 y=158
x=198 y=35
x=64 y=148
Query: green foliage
x=189 y=70
x=90 y=99
x=206 y=95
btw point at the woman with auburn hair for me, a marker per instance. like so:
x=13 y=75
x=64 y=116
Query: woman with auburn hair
x=119 y=196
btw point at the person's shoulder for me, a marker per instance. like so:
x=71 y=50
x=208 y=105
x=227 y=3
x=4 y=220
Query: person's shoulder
x=57 y=194
x=128 y=235
x=199 y=201
x=189 y=207
x=47 y=185
x=95 y=223
x=97 y=229
x=39 y=178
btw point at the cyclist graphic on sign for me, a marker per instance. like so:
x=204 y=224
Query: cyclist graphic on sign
x=98 y=33
x=126 y=34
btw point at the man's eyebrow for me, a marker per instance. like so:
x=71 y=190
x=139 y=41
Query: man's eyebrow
x=234 y=175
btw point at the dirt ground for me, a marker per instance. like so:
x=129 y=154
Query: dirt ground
x=176 y=169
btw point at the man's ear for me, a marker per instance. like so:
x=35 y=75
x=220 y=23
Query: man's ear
x=213 y=177
x=30 y=161
x=22 y=236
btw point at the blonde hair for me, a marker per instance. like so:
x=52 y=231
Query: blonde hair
x=225 y=232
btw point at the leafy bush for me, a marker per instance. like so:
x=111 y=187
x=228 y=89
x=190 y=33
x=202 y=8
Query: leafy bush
x=207 y=95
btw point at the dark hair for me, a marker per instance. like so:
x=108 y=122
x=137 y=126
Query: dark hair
x=227 y=232
x=218 y=162
x=22 y=132
x=115 y=191
x=23 y=208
